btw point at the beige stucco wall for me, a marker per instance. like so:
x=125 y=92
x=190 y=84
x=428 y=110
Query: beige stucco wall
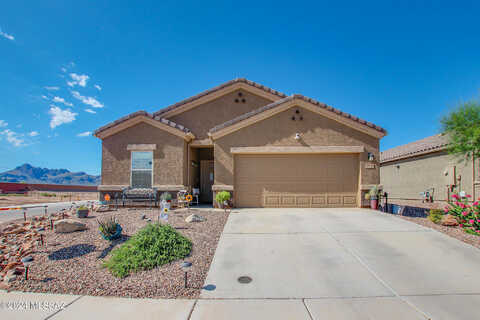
x=280 y=130
x=406 y=179
x=169 y=164
x=202 y=118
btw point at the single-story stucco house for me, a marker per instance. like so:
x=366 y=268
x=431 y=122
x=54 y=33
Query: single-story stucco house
x=407 y=171
x=266 y=148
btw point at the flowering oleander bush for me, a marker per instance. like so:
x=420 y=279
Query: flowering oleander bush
x=467 y=215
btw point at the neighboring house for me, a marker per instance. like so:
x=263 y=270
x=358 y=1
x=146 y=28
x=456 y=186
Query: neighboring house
x=266 y=148
x=408 y=171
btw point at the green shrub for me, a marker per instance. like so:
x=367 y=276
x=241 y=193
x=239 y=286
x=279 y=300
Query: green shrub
x=374 y=193
x=82 y=208
x=222 y=196
x=152 y=246
x=46 y=194
x=435 y=215
x=470 y=231
x=166 y=196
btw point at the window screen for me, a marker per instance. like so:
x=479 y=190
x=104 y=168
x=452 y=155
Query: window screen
x=142 y=165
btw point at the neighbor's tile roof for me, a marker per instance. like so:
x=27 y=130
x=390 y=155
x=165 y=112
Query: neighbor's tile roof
x=431 y=144
x=289 y=98
x=141 y=113
x=217 y=88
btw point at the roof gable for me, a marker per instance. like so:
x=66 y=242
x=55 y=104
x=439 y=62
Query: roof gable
x=292 y=101
x=225 y=88
x=143 y=116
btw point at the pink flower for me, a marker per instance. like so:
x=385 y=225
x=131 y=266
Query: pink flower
x=471 y=221
x=462 y=206
x=445 y=210
x=478 y=220
x=475 y=203
x=460 y=225
x=454 y=196
x=464 y=213
x=457 y=203
x=468 y=196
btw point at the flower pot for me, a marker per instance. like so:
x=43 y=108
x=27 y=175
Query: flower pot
x=114 y=236
x=374 y=204
x=82 y=213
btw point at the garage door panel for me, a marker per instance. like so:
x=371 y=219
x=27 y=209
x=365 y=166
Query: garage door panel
x=296 y=180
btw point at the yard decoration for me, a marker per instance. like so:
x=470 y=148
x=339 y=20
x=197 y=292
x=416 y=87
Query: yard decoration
x=222 y=199
x=109 y=228
x=189 y=197
x=82 y=212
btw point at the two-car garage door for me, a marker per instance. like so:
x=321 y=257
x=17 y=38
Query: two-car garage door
x=296 y=180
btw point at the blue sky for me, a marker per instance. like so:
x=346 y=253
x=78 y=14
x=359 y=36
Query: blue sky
x=399 y=64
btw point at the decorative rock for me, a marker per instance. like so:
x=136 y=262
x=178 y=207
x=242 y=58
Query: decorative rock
x=9 y=278
x=69 y=225
x=103 y=208
x=449 y=220
x=194 y=218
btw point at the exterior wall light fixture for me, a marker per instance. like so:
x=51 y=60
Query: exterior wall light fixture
x=371 y=156
x=297 y=136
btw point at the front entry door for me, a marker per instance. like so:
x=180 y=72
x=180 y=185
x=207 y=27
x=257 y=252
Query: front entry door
x=206 y=180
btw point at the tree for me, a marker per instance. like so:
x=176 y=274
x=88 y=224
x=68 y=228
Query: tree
x=462 y=127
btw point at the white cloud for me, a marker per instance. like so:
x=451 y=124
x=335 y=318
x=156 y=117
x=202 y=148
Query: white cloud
x=44 y=97
x=78 y=79
x=52 y=88
x=98 y=87
x=33 y=134
x=90 y=111
x=6 y=35
x=61 y=100
x=60 y=116
x=63 y=69
x=84 y=134
x=3 y=123
x=91 y=101
x=13 y=137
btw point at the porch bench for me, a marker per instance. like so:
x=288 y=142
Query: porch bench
x=131 y=195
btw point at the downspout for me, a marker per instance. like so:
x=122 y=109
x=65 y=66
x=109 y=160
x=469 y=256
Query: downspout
x=188 y=163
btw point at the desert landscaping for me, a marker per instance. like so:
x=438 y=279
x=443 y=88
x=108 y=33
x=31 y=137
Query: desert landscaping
x=69 y=257
x=33 y=197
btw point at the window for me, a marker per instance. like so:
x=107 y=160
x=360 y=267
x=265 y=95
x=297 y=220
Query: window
x=141 y=172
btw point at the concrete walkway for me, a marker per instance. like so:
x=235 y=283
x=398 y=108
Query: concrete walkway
x=311 y=264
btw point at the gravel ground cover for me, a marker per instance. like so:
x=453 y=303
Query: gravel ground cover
x=455 y=232
x=71 y=263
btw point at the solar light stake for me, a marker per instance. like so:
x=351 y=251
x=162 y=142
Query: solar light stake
x=51 y=224
x=185 y=267
x=24 y=215
x=41 y=239
x=27 y=261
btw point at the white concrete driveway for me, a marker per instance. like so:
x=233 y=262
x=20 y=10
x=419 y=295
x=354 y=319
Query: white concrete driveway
x=340 y=264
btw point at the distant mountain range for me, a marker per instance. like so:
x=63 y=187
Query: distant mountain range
x=30 y=174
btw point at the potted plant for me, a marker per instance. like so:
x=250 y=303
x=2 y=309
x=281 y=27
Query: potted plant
x=109 y=228
x=222 y=199
x=373 y=195
x=82 y=212
x=165 y=200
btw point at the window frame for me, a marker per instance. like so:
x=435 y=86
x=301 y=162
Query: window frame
x=131 y=165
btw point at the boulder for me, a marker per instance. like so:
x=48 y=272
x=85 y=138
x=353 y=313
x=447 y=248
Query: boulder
x=449 y=220
x=69 y=225
x=194 y=218
x=102 y=208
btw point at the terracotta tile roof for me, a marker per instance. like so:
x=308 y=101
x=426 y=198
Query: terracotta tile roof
x=212 y=90
x=289 y=98
x=141 y=113
x=431 y=144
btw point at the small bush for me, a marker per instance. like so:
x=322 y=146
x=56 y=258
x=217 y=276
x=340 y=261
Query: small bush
x=166 y=196
x=45 y=194
x=222 y=196
x=471 y=231
x=435 y=215
x=108 y=226
x=82 y=208
x=152 y=246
